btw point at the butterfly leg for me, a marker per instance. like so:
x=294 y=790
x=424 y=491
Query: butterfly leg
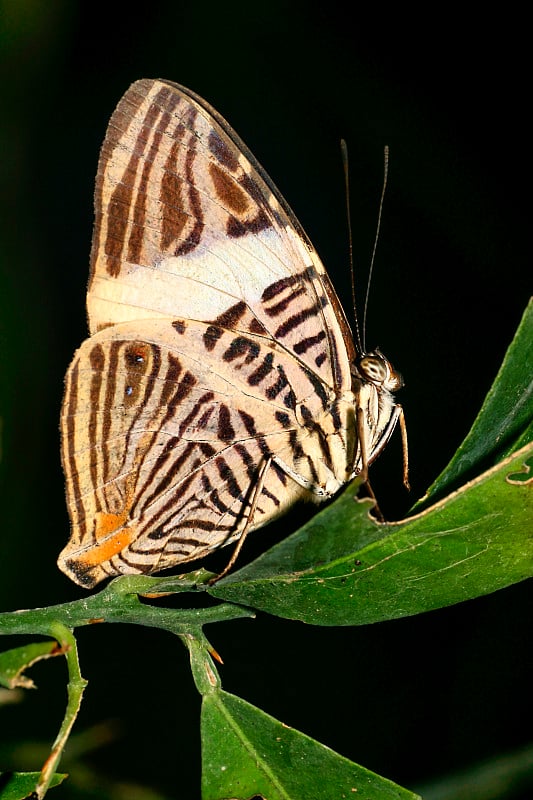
x=397 y=417
x=253 y=504
x=403 y=432
x=360 y=426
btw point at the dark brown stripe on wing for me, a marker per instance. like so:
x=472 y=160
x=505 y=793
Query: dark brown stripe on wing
x=251 y=430
x=195 y=523
x=236 y=190
x=173 y=371
x=236 y=228
x=283 y=419
x=335 y=416
x=282 y=476
x=335 y=363
x=205 y=398
x=296 y=447
x=108 y=409
x=252 y=470
x=162 y=106
x=228 y=191
x=167 y=464
x=70 y=408
x=317 y=385
x=97 y=362
x=258 y=375
x=211 y=337
x=120 y=204
x=228 y=476
x=225 y=155
x=272 y=497
x=174 y=217
x=305 y=344
x=194 y=237
x=323 y=441
x=279 y=308
x=171 y=469
x=169 y=508
x=297 y=319
x=240 y=346
x=214 y=497
x=282 y=381
x=225 y=430
x=278 y=287
x=248 y=422
x=231 y=317
x=257 y=327
x=248 y=461
x=312 y=470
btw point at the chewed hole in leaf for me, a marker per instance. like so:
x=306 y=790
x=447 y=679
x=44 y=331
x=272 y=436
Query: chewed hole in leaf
x=524 y=477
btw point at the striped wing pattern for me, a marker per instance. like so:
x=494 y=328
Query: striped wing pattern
x=188 y=225
x=217 y=347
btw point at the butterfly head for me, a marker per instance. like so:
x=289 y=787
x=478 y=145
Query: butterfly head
x=374 y=368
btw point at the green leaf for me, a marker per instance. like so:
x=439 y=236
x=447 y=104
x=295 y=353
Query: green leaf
x=20 y=785
x=506 y=775
x=505 y=421
x=14 y=662
x=245 y=753
x=343 y=568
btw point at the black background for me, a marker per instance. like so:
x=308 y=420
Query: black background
x=412 y=699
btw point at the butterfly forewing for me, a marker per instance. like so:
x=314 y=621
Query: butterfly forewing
x=219 y=360
x=178 y=194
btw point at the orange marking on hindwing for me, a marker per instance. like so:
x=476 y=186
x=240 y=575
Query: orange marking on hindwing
x=112 y=532
x=107 y=523
x=109 y=543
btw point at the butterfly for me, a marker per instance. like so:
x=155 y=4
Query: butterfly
x=220 y=382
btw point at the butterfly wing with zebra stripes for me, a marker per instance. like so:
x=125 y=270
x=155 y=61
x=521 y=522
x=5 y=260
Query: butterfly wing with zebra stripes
x=220 y=360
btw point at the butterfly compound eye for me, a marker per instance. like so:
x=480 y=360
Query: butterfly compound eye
x=374 y=368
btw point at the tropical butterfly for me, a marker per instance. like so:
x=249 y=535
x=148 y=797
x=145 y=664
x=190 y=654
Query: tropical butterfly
x=220 y=382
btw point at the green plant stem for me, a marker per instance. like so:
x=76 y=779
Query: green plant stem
x=75 y=688
x=120 y=602
x=203 y=669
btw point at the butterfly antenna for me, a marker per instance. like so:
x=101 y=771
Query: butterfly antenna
x=345 y=166
x=385 y=176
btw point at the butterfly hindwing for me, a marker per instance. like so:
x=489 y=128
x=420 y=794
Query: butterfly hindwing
x=165 y=442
